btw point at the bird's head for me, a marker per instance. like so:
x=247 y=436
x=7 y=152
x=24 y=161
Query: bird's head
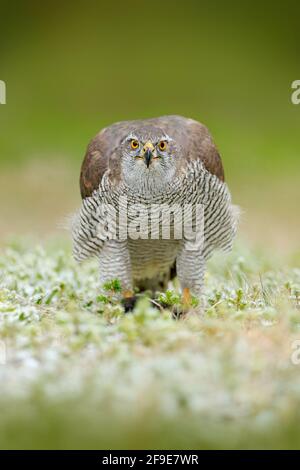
x=148 y=157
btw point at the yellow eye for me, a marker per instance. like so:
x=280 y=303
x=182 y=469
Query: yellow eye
x=134 y=144
x=162 y=145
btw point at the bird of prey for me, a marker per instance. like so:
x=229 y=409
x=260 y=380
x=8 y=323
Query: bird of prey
x=169 y=161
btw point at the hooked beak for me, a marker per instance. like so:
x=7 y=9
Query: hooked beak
x=148 y=157
x=148 y=153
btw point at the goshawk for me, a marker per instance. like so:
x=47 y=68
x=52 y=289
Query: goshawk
x=169 y=170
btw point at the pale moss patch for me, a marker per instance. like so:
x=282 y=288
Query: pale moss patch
x=80 y=373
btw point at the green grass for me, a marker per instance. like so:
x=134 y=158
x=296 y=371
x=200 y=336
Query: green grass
x=81 y=374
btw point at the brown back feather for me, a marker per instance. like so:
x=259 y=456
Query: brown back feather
x=193 y=137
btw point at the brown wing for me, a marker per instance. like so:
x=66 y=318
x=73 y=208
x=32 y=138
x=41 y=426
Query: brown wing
x=203 y=147
x=102 y=153
x=93 y=167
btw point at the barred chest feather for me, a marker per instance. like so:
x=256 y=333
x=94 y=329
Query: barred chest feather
x=196 y=186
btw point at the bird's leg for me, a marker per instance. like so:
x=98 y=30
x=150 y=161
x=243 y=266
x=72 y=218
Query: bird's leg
x=114 y=264
x=190 y=270
x=186 y=296
x=128 y=300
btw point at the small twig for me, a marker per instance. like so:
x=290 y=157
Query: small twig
x=156 y=304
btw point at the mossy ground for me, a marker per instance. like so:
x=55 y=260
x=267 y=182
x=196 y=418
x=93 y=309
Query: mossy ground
x=81 y=374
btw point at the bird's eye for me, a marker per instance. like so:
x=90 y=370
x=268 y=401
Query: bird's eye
x=134 y=144
x=162 y=145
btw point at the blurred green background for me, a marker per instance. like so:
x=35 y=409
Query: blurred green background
x=71 y=68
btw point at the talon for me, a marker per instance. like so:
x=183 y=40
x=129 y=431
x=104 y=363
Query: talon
x=129 y=302
x=177 y=312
